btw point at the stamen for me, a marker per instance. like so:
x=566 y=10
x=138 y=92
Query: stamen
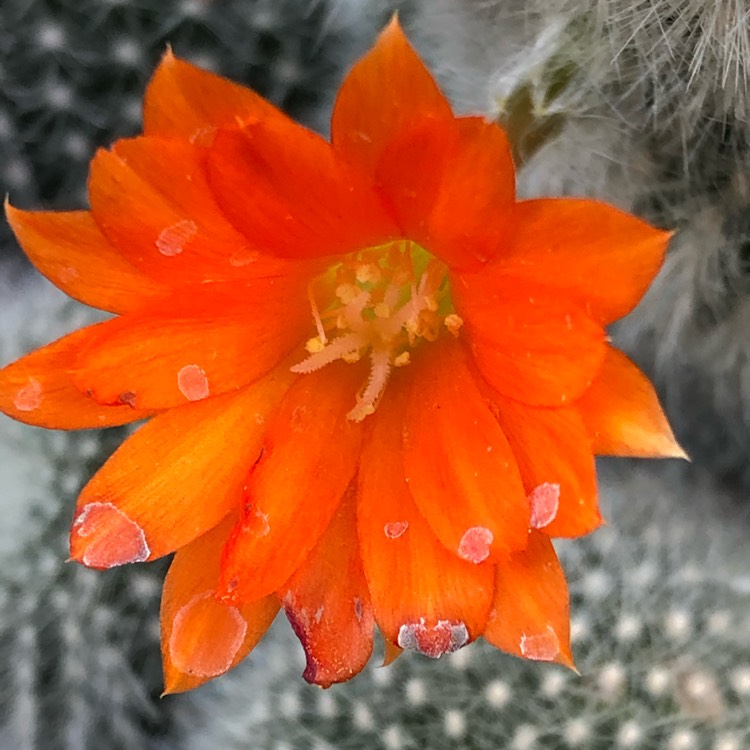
x=382 y=310
x=402 y=360
x=353 y=311
x=316 y=315
x=368 y=273
x=347 y=293
x=453 y=323
x=385 y=301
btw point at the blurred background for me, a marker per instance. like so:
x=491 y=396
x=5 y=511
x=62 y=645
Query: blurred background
x=660 y=597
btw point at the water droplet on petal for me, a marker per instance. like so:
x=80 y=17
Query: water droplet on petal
x=433 y=640
x=206 y=636
x=193 y=383
x=29 y=397
x=544 y=500
x=475 y=544
x=542 y=646
x=67 y=274
x=173 y=239
x=102 y=536
x=395 y=529
x=262 y=526
x=243 y=257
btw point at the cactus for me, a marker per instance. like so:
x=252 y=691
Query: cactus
x=649 y=108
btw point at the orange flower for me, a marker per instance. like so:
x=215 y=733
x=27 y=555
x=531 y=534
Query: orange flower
x=375 y=382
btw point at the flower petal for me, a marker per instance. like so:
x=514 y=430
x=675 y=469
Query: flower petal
x=38 y=389
x=425 y=598
x=554 y=456
x=187 y=103
x=152 y=201
x=70 y=250
x=328 y=605
x=599 y=255
x=309 y=457
x=622 y=413
x=460 y=468
x=452 y=186
x=530 y=343
x=200 y=637
x=530 y=615
x=202 y=341
x=471 y=217
x=386 y=91
x=288 y=192
x=177 y=477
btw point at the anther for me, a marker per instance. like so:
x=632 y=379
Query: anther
x=314 y=345
x=453 y=323
x=402 y=359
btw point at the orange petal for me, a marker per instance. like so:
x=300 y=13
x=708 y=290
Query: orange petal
x=202 y=638
x=460 y=468
x=386 y=91
x=38 y=389
x=202 y=341
x=530 y=343
x=151 y=199
x=391 y=652
x=328 y=605
x=601 y=256
x=309 y=456
x=177 y=477
x=530 y=614
x=70 y=250
x=287 y=190
x=452 y=186
x=622 y=413
x=425 y=598
x=554 y=456
x=187 y=103
x=471 y=217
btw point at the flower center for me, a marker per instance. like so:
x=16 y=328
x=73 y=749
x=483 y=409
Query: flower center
x=382 y=302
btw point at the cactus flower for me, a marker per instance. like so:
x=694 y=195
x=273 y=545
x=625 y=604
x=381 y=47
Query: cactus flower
x=373 y=382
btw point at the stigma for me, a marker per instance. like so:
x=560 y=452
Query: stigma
x=380 y=303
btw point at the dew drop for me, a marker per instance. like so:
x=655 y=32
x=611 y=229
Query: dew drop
x=206 y=636
x=259 y=520
x=475 y=544
x=102 y=536
x=173 y=239
x=29 y=397
x=193 y=383
x=395 y=529
x=444 y=637
x=541 y=646
x=243 y=257
x=67 y=274
x=544 y=501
